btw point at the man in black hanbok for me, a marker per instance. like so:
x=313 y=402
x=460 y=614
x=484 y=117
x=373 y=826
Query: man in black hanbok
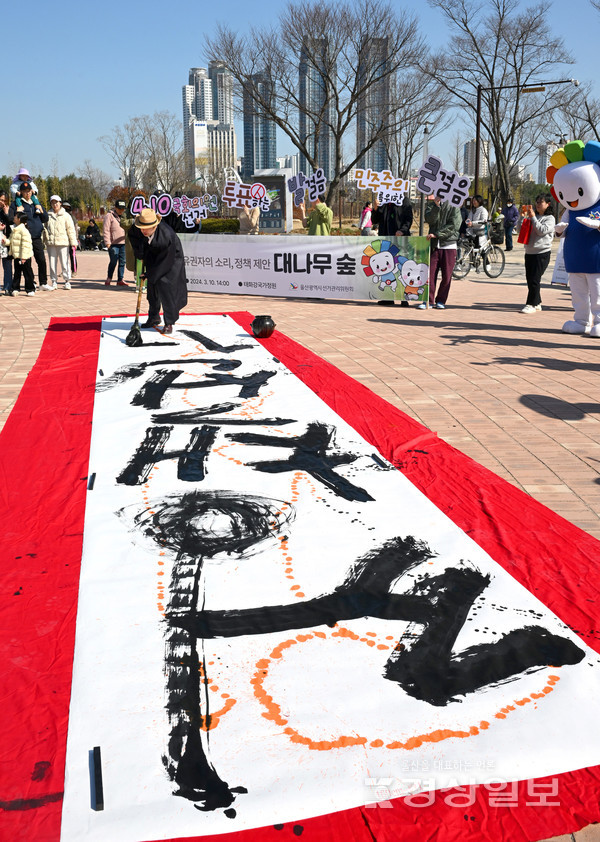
x=160 y=248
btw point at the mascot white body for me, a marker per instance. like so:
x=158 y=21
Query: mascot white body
x=574 y=173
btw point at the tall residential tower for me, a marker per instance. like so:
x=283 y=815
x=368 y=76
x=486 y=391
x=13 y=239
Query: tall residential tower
x=317 y=105
x=373 y=107
x=260 y=142
x=208 y=130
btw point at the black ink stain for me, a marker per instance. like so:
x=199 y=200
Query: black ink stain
x=40 y=769
x=30 y=803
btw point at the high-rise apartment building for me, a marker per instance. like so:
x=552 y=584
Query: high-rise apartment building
x=222 y=92
x=469 y=158
x=260 y=141
x=208 y=132
x=317 y=105
x=373 y=107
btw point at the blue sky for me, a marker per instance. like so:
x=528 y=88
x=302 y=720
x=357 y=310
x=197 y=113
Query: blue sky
x=87 y=68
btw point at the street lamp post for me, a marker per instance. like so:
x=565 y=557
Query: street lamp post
x=530 y=88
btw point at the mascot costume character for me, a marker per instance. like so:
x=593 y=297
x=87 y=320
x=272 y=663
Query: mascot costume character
x=574 y=174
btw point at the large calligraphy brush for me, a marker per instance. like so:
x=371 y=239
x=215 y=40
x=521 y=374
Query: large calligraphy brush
x=134 y=337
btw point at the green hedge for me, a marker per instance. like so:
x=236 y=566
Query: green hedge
x=220 y=226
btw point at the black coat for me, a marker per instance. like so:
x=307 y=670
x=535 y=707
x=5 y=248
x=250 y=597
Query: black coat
x=165 y=269
x=390 y=218
x=35 y=221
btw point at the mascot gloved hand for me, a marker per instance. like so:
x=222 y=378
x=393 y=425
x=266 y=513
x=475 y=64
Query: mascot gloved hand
x=574 y=174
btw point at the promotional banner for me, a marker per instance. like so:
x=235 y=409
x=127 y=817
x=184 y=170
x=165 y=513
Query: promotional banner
x=392 y=268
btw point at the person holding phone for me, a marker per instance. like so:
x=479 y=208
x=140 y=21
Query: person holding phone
x=538 y=248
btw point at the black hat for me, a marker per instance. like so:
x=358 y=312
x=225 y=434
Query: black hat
x=26 y=185
x=120 y=204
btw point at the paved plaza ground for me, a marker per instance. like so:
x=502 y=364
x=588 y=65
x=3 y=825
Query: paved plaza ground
x=508 y=389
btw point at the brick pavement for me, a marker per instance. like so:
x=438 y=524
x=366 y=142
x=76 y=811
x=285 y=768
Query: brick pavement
x=508 y=389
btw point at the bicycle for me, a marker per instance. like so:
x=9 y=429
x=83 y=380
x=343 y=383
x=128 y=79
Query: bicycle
x=471 y=256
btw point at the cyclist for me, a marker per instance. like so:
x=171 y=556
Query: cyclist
x=476 y=221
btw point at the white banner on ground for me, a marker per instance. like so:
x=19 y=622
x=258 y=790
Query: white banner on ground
x=308 y=267
x=274 y=623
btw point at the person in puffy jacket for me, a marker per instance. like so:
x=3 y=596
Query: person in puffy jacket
x=59 y=237
x=21 y=247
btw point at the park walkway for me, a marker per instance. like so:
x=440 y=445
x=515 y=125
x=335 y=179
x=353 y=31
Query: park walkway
x=510 y=390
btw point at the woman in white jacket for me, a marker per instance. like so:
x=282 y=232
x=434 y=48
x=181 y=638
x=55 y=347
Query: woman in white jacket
x=477 y=220
x=59 y=237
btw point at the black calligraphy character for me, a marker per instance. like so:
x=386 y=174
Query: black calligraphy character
x=424 y=663
x=197 y=527
x=312 y=453
x=191 y=466
x=151 y=394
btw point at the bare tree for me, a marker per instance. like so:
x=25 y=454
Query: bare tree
x=164 y=165
x=504 y=49
x=418 y=101
x=148 y=151
x=100 y=182
x=125 y=146
x=579 y=116
x=335 y=49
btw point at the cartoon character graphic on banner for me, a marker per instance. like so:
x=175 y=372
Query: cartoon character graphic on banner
x=382 y=260
x=415 y=277
x=574 y=176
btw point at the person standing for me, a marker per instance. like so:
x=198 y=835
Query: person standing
x=319 y=219
x=59 y=237
x=73 y=252
x=393 y=220
x=6 y=220
x=114 y=239
x=158 y=246
x=249 y=220
x=366 y=222
x=36 y=219
x=22 y=251
x=511 y=217
x=444 y=222
x=538 y=249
